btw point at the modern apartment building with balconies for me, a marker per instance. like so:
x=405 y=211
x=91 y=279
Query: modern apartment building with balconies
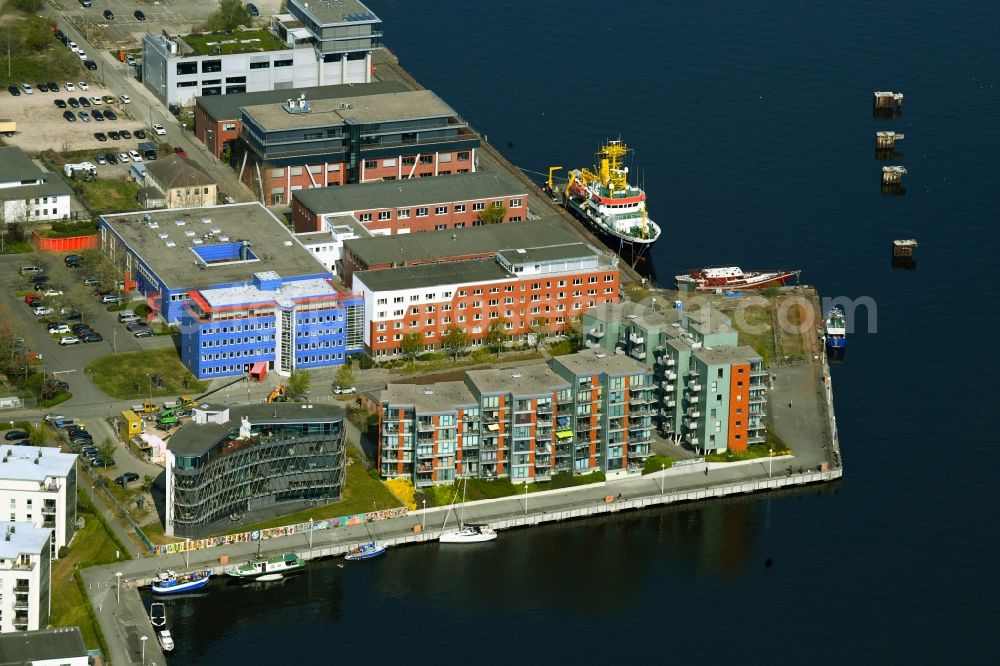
x=577 y=414
x=38 y=486
x=25 y=576
x=711 y=392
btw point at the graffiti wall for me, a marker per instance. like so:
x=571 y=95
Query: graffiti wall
x=275 y=532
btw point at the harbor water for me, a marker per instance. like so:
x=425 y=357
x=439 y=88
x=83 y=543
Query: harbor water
x=755 y=141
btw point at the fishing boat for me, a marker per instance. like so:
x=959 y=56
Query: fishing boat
x=366 y=551
x=259 y=567
x=836 y=329
x=170 y=582
x=611 y=206
x=166 y=640
x=157 y=614
x=732 y=278
x=467 y=533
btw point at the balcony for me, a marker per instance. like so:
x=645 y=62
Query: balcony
x=425 y=427
x=692 y=439
x=693 y=398
x=668 y=387
x=689 y=424
x=21 y=589
x=756 y=439
x=669 y=402
x=670 y=375
x=692 y=373
x=694 y=386
x=693 y=412
x=596 y=333
x=758 y=400
x=20 y=604
x=48 y=510
x=638 y=353
x=636 y=339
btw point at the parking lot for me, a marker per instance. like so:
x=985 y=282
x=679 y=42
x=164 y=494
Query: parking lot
x=41 y=126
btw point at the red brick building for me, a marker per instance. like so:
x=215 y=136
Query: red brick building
x=479 y=242
x=532 y=290
x=414 y=204
x=218 y=119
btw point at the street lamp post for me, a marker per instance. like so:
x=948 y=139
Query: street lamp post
x=144 y=639
x=663 y=476
x=770 y=459
x=423 y=518
x=526 y=498
x=310 y=533
x=118 y=587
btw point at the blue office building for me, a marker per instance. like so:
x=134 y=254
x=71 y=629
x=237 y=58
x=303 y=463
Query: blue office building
x=240 y=287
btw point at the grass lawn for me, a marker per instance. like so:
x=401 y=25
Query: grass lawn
x=755 y=330
x=245 y=42
x=53 y=63
x=480 y=489
x=124 y=376
x=362 y=494
x=91 y=546
x=108 y=196
x=656 y=463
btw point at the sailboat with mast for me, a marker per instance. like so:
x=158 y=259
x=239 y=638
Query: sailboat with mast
x=366 y=551
x=467 y=533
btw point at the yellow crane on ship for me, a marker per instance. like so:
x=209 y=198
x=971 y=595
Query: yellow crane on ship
x=610 y=174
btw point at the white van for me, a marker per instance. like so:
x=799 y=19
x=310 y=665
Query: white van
x=127 y=317
x=30 y=270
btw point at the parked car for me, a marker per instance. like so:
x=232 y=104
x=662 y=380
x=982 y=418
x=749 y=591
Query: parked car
x=84 y=102
x=96 y=100
x=57 y=327
x=139 y=16
x=68 y=340
x=125 y=134
x=69 y=86
x=111 y=299
x=73 y=102
x=84 y=116
x=109 y=15
x=78 y=328
x=100 y=136
x=15 y=435
x=136 y=326
x=130 y=60
x=42 y=87
x=28 y=90
x=70 y=315
x=144 y=333
x=31 y=270
x=135 y=156
x=110 y=157
x=123 y=158
x=113 y=135
x=126 y=478
x=39 y=279
x=82 y=85
x=158 y=129
x=91 y=281
x=14 y=91
x=140 y=134
x=127 y=317
x=33 y=300
x=252 y=8
x=125 y=99
x=53 y=86
x=52 y=292
x=43 y=311
x=98 y=115
x=60 y=104
x=90 y=65
x=110 y=115
x=344 y=389
x=92 y=337
x=180 y=151
x=72 y=259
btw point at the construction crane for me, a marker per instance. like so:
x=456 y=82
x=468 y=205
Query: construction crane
x=551 y=184
x=170 y=416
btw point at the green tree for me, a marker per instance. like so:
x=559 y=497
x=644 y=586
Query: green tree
x=298 y=384
x=37 y=435
x=496 y=335
x=147 y=483
x=344 y=376
x=230 y=15
x=107 y=450
x=541 y=329
x=412 y=344
x=455 y=341
x=493 y=214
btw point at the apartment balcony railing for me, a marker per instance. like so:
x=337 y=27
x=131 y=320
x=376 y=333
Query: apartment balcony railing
x=692 y=439
x=668 y=386
x=692 y=373
x=691 y=397
x=669 y=402
x=694 y=412
x=694 y=386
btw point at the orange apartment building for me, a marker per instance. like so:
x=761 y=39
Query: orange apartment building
x=412 y=204
x=303 y=144
x=532 y=290
x=576 y=414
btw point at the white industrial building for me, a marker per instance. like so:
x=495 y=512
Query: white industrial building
x=316 y=43
x=38 y=486
x=25 y=576
x=27 y=193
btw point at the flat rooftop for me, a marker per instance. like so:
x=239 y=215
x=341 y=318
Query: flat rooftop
x=534 y=379
x=432 y=275
x=248 y=294
x=364 y=109
x=665 y=316
x=434 y=398
x=194 y=439
x=726 y=355
x=336 y=11
x=549 y=253
x=227 y=107
x=15 y=165
x=224 y=43
x=590 y=362
x=18 y=538
x=26 y=647
x=410 y=192
x=18 y=463
x=436 y=245
x=181 y=268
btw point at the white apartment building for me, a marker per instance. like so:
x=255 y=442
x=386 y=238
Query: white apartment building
x=38 y=486
x=27 y=193
x=25 y=576
x=46 y=647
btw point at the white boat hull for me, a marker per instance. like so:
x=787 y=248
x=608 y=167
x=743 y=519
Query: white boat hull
x=270 y=577
x=468 y=535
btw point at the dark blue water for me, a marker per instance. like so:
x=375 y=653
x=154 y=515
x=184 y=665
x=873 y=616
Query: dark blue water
x=755 y=141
